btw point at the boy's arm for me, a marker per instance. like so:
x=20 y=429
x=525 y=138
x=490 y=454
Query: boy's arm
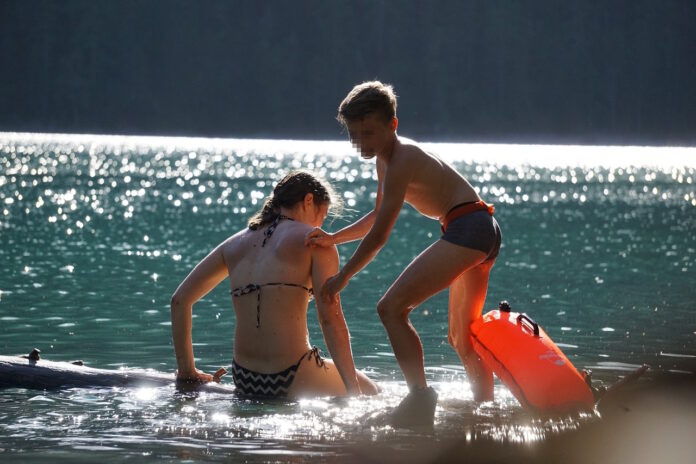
x=333 y=324
x=396 y=180
x=356 y=230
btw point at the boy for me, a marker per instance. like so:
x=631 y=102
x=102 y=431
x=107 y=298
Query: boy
x=461 y=259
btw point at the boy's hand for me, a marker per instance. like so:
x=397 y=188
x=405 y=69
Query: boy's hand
x=317 y=237
x=332 y=287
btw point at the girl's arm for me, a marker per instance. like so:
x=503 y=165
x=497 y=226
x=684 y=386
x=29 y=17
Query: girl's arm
x=202 y=279
x=333 y=324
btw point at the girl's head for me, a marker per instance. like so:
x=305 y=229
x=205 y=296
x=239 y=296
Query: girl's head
x=297 y=190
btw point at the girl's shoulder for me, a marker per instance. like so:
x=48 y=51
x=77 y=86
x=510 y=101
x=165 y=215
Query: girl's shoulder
x=295 y=232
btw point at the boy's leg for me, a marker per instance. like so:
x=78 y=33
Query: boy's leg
x=432 y=271
x=467 y=295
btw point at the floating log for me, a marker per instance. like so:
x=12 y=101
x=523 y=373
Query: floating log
x=35 y=373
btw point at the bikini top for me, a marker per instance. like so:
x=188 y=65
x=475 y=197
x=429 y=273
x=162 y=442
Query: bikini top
x=241 y=291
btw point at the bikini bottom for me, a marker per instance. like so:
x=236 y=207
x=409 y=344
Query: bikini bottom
x=277 y=385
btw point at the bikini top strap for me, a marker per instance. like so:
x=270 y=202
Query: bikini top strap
x=308 y=290
x=268 y=232
x=240 y=291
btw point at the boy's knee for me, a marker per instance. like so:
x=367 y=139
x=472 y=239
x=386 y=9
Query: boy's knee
x=383 y=309
x=388 y=309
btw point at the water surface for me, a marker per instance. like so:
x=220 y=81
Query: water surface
x=97 y=231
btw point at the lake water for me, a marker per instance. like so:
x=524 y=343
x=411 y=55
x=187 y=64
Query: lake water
x=97 y=231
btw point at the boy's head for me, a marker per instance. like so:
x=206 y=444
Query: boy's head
x=369 y=114
x=367 y=98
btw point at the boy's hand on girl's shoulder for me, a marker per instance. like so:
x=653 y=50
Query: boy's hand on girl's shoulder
x=317 y=237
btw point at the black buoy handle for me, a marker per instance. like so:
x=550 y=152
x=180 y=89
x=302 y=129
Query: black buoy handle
x=522 y=318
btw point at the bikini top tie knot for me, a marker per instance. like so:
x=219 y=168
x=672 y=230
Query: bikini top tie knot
x=239 y=291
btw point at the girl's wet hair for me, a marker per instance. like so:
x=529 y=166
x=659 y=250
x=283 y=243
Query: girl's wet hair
x=291 y=190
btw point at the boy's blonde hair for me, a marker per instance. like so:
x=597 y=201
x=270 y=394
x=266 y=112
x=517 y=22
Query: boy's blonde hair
x=367 y=98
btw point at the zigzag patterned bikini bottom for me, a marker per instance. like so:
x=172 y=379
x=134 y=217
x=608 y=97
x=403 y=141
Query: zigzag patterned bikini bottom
x=250 y=383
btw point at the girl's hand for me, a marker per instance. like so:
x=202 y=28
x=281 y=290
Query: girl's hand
x=197 y=376
x=317 y=237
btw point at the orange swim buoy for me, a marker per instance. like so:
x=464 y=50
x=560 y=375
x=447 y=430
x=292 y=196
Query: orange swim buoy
x=529 y=363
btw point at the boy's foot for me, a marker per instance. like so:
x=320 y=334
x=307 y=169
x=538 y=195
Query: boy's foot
x=418 y=408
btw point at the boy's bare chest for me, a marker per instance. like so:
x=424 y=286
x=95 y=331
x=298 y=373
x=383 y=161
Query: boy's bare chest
x=426 y=199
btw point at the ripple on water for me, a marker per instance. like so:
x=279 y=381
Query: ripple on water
x=97 y=232
x=163 y=419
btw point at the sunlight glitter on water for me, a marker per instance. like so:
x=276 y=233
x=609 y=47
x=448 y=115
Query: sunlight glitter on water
x=99 y=230
x=332 y=420
x=119 y=179
x=159 y=414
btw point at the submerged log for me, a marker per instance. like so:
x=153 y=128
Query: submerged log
x=34 y=373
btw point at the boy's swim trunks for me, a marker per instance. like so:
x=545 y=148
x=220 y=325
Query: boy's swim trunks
x=472 y=225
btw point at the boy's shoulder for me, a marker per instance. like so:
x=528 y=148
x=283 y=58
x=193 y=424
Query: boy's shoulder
x=407 y=145
x=408 y=150
x=407 y=142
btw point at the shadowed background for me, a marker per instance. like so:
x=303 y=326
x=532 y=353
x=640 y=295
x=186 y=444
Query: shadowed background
x=608 y=72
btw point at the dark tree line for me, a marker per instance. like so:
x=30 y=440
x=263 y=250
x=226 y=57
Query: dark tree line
x=578 y=71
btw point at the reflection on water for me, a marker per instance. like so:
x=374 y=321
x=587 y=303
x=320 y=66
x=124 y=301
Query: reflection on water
x=96 y=232
x=167 y=423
